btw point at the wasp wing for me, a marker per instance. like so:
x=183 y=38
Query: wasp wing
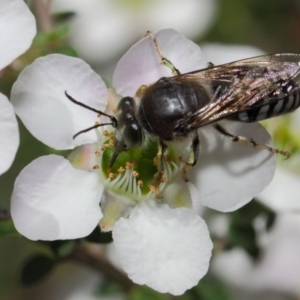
x=247 y=86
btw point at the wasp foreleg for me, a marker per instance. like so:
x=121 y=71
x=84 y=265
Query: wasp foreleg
x=193 y=156
x=158 y=177
x=164 y=61
x=249 y=142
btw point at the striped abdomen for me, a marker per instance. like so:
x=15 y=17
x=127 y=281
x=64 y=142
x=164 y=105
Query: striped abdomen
x=269 y=110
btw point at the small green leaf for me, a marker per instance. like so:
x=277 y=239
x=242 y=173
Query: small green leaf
x=145 y=293
x=36 y=268
x=63 y=17
x=63 y=248
x=7 y=228
x=211 y=288
x=99 y=237
x=244 y=235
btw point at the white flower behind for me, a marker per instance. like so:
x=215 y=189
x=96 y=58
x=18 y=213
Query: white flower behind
x=17 y=30
x=146 y=227
x=100 y=30
x=9 y=134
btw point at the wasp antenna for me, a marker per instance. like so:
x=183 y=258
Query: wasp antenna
x=112 y=118
x=90 y=128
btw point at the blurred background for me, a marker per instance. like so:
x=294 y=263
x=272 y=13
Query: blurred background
x=256 y=249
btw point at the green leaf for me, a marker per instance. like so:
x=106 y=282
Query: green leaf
x=211 y=288
x=244 y=235
x=63 y=17
x=7 y=228
x=63 y=248
x=36 y=268
x=99 y=237
x=145 y=293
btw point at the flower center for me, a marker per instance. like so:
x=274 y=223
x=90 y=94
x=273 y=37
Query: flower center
x=135 y=171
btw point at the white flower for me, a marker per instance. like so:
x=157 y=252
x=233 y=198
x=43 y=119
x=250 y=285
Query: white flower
x=17 y=29
x=100 y=30
x=161 y=242
x=278 y=268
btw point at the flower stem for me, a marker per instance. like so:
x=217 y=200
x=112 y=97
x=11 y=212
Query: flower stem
x=99 y=263
x=43 y=15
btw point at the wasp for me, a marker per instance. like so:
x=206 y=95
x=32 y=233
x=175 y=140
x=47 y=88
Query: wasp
x=173 y=108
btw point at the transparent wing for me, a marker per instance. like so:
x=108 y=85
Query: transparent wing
x=245 y=85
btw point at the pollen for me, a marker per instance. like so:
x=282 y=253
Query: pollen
x=111 y=176
x=121 y=170
x=135 y=174
x=140 y=91
x=152 y=188
x=95 y=167
x=180 y=158
x=129 y=165
x=97 y=153
x=164 y=180
x=105 y=133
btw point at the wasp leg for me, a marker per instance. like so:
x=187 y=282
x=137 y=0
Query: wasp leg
x=119 y=147
x=193 y=156
x=164 y=61
x=162 y=147
x=250 y=142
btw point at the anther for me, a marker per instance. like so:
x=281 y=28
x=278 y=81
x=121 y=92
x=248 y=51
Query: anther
x=95 y=167
x=111 y=176
x=135 y=174
x=180 y=158
x=129 y=165
x=121 y=170
x=152 y=188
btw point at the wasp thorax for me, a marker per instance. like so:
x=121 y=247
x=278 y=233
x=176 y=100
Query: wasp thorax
x=166 y=104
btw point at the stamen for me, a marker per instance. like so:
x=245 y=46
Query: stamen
x=111 y=176
x=121 y=170
x=152 y=188
x=135 y=174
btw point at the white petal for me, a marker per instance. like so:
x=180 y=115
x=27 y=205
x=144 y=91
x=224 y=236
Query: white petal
x=228 y=175
x=52 y=200
x=182 y=52
x=283 y=192
x=222 y=53
x=9 y=134
x=166 y=249
x=141 y=64
x=17 y=30
x=40 y=101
